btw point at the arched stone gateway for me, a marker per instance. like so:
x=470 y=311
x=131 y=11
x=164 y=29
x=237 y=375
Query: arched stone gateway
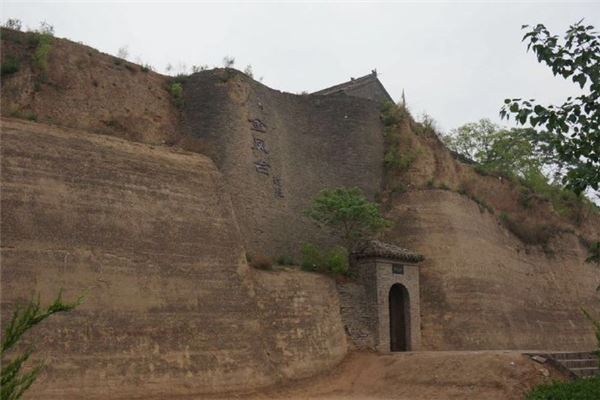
x=399 y=309
x=381 y=308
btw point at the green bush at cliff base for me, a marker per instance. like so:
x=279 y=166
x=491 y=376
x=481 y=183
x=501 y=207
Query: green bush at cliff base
x=579 y=389
x=335 y=260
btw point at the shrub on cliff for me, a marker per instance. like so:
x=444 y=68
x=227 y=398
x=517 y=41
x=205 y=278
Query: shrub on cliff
x=348 y=214
x=176 y=90
x=334 y=261
x=14 y=381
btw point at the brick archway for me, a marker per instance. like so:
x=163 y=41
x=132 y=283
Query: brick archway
x=399 y=312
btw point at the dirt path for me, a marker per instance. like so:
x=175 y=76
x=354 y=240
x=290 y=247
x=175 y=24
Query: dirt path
x=489 y=375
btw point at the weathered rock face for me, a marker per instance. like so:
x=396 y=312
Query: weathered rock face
x=149 y=237
x=481 y=288
x=86 y=89
x=277 y=151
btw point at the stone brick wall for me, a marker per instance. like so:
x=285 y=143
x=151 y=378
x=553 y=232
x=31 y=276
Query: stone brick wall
x=273 y=168
x=365 y=303
x=357 y=314
x=410 y=280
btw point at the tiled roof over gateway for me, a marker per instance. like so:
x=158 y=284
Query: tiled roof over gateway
x=368 y=86
x=377 y=249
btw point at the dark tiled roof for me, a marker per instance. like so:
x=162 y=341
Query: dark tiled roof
x=353 y=84
x=375 y=248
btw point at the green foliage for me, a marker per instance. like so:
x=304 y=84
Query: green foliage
x=594 y=253
x=508 y=152
x=10 y=65
x=333 y=261
x=393 y=160
x=348 y=214
x=392 y=114
x=176 y=90
x=572 y=129
x=579 y=389
x=516 y=154
x=180 y=78
x=14 y=381
x=42 y=50
x=336 y=260
x=28 y=115
x=285 y=260
x=146 y=67
x=311 y=257
x=565 y=202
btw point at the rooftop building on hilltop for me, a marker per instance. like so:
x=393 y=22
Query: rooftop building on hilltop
x=368 y=87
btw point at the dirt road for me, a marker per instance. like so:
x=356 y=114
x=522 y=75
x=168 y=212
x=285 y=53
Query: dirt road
x=489 y=375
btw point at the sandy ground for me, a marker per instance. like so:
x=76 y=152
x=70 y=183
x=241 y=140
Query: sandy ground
x=486 y=375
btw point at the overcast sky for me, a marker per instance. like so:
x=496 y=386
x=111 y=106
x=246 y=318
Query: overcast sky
x=455 y=61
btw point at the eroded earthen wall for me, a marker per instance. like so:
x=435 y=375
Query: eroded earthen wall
x=148 y=235
x=276 y=151
x=481 y=288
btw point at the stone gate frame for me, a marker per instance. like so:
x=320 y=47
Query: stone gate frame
x=378 y=267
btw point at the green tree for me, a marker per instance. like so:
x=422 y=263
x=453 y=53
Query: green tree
x=509 y=151
x=13 y=382
x=348 y=214
x=571 y=129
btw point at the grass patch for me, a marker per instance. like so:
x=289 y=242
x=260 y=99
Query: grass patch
x=28 y=115
x=400 y=162
x=176 y=90
x=10 y=65
x=579 y=389
x=334 y=261
x=42 y=51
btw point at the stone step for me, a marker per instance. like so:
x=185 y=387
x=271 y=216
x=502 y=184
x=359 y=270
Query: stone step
x=576 y=364
x=585 y=372
x=582 y=363
x=573 y=356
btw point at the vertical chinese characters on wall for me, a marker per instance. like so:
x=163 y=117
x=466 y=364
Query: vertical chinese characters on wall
x=261 y=165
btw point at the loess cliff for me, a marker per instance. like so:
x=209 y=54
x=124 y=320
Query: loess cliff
x=150 y=207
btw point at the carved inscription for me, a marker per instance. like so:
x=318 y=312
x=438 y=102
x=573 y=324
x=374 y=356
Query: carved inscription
x=277 y=187
x=260 y=145
x=257 y=125
x=262 y=167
